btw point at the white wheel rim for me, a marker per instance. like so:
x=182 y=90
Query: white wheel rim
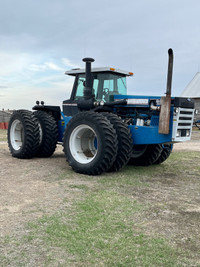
x=16 y=134
x=82 y=144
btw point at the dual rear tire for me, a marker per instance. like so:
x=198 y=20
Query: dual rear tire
x=146 y=155
x=32 y=134
x=23 y=134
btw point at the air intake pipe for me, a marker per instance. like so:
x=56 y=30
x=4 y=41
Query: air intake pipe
x=88 y=97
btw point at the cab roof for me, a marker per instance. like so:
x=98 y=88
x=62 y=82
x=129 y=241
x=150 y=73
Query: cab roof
x=73 y=72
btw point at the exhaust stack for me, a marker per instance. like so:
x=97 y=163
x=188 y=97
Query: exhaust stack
x=166 y=100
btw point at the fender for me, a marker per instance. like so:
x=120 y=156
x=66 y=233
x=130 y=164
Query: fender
x=53 y=110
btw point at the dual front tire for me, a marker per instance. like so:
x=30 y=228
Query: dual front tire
x=97 y=142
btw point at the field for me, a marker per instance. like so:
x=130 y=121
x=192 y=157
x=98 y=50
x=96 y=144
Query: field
x=140 y=216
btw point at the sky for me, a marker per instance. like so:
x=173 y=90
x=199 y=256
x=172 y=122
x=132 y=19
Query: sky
x=40 y=40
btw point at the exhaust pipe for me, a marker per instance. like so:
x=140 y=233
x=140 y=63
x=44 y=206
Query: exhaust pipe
x=164 y=118
x=169 y=74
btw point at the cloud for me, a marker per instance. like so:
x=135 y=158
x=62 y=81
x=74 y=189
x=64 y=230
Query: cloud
x=45 y=66
x=37 y=77
x=12 y=63
x=69 y=64
x=45 y=38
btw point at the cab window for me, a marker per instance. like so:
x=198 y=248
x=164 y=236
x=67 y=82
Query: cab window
x=105 y=85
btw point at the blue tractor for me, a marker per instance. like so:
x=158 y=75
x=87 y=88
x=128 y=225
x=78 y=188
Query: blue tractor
x=102 y=128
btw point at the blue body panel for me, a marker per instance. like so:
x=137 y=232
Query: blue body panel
x=117 y=97
x=141 y=134
x=148 y=135
x=62 y=125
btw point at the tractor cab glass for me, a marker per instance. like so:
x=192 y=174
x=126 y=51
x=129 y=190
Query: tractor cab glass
x=105 y=85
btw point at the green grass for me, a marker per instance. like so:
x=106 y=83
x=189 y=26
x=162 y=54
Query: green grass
x=3 y=135
x=101 y=227
x=98 y=231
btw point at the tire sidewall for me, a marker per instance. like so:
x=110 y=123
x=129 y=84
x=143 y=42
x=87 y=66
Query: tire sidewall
x=48 y=133
x=43 y=134
x=16 y=116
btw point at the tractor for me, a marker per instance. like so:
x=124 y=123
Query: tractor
x=102 y=128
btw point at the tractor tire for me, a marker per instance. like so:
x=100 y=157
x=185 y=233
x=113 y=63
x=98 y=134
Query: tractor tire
x=23 y=134
x=166 y=151
x=48 y=134
x=146 y=155
x=90 y=143
x=125 y=142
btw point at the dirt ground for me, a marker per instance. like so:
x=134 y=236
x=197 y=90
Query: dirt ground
x=29 y=188
x=37 y=187
x=193 y=145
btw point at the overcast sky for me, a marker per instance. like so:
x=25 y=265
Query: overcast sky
x=40 y=40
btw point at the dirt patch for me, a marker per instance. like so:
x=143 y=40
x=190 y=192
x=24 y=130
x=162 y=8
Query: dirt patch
x=192 y=145
x=33 y=188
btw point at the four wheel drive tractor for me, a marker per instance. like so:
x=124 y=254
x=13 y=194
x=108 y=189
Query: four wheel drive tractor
x=102 y=128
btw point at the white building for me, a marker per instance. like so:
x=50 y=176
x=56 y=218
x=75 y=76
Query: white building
x=192 y=90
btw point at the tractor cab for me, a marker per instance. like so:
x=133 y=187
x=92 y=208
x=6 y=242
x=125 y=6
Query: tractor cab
x=106 y=82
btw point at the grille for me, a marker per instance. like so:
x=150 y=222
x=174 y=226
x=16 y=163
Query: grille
x=182 y=124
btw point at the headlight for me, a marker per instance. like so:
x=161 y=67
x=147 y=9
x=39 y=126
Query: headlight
x=188 y=133
x=178 y=134
x=176 y=110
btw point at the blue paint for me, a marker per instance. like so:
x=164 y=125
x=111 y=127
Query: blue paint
x=141 y=135
x=148 y=135
x=62 y=125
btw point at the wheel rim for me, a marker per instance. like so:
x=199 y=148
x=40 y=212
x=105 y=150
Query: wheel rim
x=83 y=144
x=16 y=134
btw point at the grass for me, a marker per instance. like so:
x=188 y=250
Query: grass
x=3 y=135
x=103 y=226
x=98 y=231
